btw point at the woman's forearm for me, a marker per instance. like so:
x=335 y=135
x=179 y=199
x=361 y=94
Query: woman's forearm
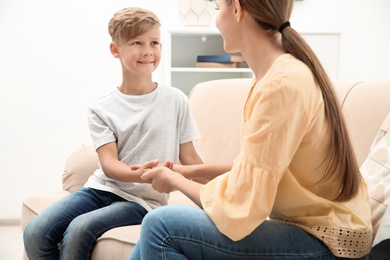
x=203 y=172
x=189 y=188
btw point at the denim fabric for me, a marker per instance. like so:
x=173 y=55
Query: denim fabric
x=76 y=221
x=180 y=232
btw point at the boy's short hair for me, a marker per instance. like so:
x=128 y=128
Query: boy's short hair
x=131 y=22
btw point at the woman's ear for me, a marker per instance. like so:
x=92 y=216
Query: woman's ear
x=114 y=50
x=237 y=10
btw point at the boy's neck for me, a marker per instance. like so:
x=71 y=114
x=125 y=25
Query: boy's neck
x=137 y=88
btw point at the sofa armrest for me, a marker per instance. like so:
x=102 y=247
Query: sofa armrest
x=35 y=204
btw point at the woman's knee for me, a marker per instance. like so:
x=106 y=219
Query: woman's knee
x=159 y=219
x=171 y=219
x=165 y=214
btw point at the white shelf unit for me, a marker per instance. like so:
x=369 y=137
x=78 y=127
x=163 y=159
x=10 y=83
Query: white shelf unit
x=184 y=45
x=182 y=48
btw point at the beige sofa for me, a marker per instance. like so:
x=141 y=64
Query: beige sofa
x=217 y=107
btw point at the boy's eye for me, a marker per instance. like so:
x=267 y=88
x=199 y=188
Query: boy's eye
x=136 y=43
x=155 y=43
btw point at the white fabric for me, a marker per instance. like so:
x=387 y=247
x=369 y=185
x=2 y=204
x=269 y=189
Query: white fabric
x=376 y=172
x=145 y=127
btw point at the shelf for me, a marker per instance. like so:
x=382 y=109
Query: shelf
x=228 y=70
x=186 y=43
x=214 y=31
x=195 y=31
x=186 y=80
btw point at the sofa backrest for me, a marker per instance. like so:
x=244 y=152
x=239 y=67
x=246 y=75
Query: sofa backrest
x=79 y=165
x=217 y=107
x=365 y=105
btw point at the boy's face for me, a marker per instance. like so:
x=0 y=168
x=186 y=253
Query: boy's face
x=140 y=55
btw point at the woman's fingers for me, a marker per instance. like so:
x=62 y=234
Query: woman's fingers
x=152 y=173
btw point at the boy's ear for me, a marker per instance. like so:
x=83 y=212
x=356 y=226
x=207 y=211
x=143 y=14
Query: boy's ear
x=114 y=50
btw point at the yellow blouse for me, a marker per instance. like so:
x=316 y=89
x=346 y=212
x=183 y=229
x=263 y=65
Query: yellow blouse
x=284 y=138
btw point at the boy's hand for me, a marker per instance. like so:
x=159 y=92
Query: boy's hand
x=168 y=164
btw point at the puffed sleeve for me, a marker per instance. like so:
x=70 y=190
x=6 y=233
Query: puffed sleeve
x=275 y=121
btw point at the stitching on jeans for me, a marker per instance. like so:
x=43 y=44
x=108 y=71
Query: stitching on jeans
x=298 y=256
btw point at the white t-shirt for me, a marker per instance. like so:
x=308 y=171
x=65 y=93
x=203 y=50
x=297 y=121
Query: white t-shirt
x=145 y=127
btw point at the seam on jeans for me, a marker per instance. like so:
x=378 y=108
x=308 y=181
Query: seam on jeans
x=297 y=256
x=163 y=256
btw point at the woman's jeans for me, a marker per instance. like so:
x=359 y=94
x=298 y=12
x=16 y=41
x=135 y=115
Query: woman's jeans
x=180 y=232
x=76 y=221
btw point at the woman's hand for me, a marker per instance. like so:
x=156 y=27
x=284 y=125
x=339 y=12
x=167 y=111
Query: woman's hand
x=163 y=179
x=140 y=169
x=151 y=164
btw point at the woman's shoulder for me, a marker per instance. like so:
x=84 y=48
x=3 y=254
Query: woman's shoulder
x=290 y=77
x=289 y=71
x=292 y=66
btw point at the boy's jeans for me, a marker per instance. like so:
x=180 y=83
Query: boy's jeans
x=76 y=221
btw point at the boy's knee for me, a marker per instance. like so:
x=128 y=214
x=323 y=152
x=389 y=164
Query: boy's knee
x=33 y=236
x=79 y=225
x=32 y=231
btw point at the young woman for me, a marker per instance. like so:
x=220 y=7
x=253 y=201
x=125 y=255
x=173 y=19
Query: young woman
x=295 y=190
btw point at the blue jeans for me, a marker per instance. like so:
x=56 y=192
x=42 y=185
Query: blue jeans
x=182 y=232
x=76 y=221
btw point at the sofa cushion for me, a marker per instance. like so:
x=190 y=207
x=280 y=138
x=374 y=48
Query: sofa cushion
x=78 y=167
x=376 y=172
x=123 y=239
x=116 y=243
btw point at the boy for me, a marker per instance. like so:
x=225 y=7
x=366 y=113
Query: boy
x=138 y=122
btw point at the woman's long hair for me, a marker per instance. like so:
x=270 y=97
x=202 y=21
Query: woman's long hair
x=271 y=14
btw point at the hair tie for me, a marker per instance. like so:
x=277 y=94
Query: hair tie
x=284 y=25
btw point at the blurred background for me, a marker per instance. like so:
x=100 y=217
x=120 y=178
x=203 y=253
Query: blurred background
x=55 y=59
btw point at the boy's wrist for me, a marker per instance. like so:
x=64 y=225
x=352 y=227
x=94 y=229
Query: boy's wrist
x=183 y=170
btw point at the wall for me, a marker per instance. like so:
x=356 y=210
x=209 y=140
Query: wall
x=54 y=59
x=365 y=36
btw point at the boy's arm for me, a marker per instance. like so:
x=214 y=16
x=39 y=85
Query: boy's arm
x=115 y=169
x=193 y=168
x=188 y=154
